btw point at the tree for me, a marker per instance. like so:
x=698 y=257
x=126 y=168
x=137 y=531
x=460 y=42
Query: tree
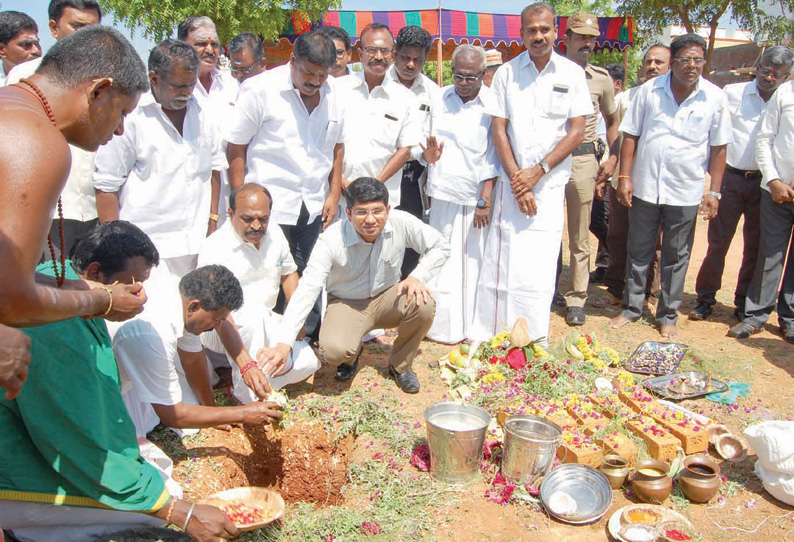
x=268 y=18
x=653 y=15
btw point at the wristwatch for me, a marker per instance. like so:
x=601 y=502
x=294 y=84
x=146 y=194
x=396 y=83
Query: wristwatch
x=482 y=203
x=715 y=194
x=544 y=166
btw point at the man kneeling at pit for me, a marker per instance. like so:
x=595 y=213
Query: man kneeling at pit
x=161 y=353
x=261 y=260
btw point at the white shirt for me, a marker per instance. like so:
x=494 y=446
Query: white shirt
x=426 y=91
x=78 y=196
x=468 y=157
x=776 y=137
x=163 y=178
x=377 y=123
x=746 y=107
x=221 y=96
x=538 y=106
x=351 y=268
x=675 y=140
x=147 y=347
x=290 y=151
x=258 y=270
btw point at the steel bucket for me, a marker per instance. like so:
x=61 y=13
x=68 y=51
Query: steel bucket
x=531 y=444
x=455 y=433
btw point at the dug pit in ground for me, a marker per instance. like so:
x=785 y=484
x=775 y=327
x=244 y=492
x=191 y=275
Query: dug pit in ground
x=300 y=462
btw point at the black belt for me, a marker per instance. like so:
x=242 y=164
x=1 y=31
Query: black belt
x=747 y=174
x=584 y=148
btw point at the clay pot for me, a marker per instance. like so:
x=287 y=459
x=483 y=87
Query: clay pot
x=699 y=479
x=651 y=482
x=616 y=469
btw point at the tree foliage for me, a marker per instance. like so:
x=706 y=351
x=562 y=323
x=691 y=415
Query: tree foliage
x=651 y=16
x=158 y=18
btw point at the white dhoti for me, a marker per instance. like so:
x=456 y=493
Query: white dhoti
x=34 y=522
x=301 y=364
x=455 y=286
x=518 y=272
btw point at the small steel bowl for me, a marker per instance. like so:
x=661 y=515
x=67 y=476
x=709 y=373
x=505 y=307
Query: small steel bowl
x=586 y=485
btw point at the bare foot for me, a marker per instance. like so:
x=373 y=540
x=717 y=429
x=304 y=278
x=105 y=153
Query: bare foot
x=618 y=322
x=669 y=331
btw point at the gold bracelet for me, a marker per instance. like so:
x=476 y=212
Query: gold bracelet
x=110 y=305
x=215 y=217
x=170 y=510
x=624 y=177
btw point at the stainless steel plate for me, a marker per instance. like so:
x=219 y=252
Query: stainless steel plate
x=656 y=358
x=665 y=386
x=588 y=487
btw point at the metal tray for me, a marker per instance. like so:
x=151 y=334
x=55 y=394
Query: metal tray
x=614 y=524
x=669 y=354
x=660 y=385
x=586 y=485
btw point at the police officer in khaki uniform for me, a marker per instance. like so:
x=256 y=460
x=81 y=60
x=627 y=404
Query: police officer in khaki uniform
x=588 y=179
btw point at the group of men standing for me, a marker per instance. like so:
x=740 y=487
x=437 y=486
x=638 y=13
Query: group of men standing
x=224 y=190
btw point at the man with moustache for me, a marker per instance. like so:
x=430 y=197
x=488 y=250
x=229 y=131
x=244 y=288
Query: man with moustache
x=344 y=51
x=286 y=133
x=88 y=82
x=656 y=62
x=382 y=124
x=588 y=178
x=678 y=125
x=259 y=257
x=78 y=198
x=247 y=55
x=740 y=193
x=534 y=145
x=461 y=182
x=19 y=41
x=773 y=155
x=412 y=46
x=163 y=173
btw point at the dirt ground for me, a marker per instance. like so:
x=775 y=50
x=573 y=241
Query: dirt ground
x=765 y=362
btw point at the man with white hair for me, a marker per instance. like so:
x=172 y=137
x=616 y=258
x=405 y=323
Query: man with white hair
x=460 y=183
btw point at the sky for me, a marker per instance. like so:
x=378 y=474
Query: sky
x=38 y=10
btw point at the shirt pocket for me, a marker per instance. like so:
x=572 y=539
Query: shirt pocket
x=695 y=128
x=559 y=101
x=204 y=149
x=387 y=128
x=332 y=135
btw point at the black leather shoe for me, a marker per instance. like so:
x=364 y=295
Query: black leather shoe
x=788 y=333
x=701 y=311
x=742 y=330
x=597 y=275
x=346 y=371
x=559 y=299
x=406 y=381
x=575 y=316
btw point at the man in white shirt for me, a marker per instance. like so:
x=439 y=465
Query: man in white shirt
x=412 y=46
x=740 y=184
x=260 y=258
x=773 y=147
x=286 y=133
x=460 y=183
x=247 y=56
x=19 y=41
x=162 y=173
x=381 y=126
x=541 y=103
x=358 y=262
x=78 y=198
x=679 y=126
x=165 y=376
x=655 y=62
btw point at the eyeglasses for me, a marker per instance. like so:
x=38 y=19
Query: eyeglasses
x=243 y=71
x=364 y=213
x=375 y=50
x=458 y=78
x=770 y=74
x=686 y=60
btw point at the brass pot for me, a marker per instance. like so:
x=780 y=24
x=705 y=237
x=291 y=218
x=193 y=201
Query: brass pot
x=616 y=469
x=699 y=480
x=652 y=482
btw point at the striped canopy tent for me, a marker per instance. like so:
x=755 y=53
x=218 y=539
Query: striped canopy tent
x=491 y=30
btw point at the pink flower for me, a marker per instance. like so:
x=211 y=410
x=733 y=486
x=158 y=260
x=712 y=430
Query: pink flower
x=370 y=528
x=516 y=358
x=420 y=458
x=328 y=538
